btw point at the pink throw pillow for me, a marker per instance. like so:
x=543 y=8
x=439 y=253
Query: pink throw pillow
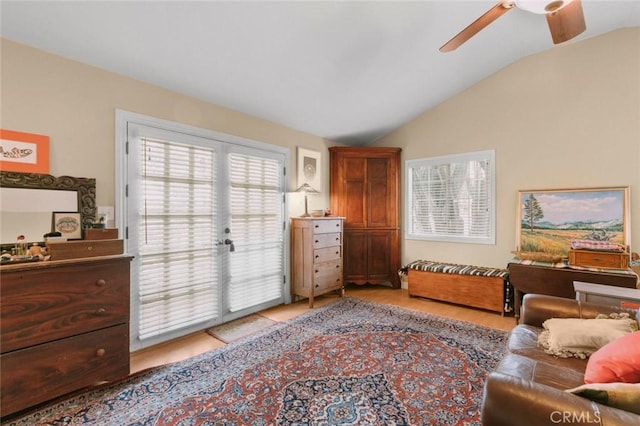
x=617 y=361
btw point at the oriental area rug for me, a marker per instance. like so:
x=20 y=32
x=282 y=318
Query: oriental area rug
x=352 y=362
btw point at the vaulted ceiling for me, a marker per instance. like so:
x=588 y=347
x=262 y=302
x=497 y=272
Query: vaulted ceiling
x=349 y=71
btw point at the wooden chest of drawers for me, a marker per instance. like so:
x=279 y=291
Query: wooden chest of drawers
x=598 y=259
x=64 y=326
x=316 y=261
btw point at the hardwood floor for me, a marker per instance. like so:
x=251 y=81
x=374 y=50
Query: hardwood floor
x=200 y=342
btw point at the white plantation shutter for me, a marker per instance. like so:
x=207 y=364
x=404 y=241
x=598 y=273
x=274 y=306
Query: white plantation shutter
x=256 y=265
x=189 y=192
x=452 y=198
x=177 y=275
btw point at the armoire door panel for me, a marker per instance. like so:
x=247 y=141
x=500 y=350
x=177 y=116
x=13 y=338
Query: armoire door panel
x=355 y=256
x=379 y=255
x=354 y=204
x=378 y=213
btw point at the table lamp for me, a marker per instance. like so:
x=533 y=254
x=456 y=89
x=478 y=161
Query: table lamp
x=307 y=189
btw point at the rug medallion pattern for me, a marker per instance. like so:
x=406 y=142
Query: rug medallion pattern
x=352 y=362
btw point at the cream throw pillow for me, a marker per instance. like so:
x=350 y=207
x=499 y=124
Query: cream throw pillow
x=625 y=396
x=574 y=337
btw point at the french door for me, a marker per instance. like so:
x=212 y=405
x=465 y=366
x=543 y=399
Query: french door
x=205 y=222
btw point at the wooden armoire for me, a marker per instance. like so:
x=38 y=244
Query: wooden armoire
x=365 y=190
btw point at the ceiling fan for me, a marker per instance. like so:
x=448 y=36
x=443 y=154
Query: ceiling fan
x=565 y=19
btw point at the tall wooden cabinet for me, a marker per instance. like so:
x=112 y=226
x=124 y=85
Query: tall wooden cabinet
x=65 y=326
x=365 y=186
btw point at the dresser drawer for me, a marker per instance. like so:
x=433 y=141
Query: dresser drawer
x=327 y=268
x=39 y=373
x=328 y=282
x=326 y=240
x=52 y=303
x=326 y=254
x=327 y=225
x=598 y=259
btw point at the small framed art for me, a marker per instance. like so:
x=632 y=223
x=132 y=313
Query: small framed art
x=69 y=224
x=309 y=168
x=24 y=152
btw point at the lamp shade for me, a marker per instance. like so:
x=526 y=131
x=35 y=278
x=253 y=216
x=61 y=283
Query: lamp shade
x=307 y=189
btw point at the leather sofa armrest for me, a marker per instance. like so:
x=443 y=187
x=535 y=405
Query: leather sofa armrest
x=509 y=400
x=536 y=308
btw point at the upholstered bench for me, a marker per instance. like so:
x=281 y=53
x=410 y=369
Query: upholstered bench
x=475 y=286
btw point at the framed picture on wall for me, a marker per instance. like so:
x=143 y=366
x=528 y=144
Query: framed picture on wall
x=548 y=220
x=309 y=168
x=24 y=152
x=69 y=224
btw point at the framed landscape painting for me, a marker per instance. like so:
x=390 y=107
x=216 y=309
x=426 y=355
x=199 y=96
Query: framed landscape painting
x=549 y=219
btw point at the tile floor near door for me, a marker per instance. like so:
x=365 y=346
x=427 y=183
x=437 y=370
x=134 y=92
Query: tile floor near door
x=200 y=342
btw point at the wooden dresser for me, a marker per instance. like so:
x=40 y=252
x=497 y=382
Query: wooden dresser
x=64 y=326
x=316 y=259
x=365 y=186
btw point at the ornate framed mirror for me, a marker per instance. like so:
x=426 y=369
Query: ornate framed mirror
x=85 y=189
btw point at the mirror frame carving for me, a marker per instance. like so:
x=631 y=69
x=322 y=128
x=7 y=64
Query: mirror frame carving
x=85 y=188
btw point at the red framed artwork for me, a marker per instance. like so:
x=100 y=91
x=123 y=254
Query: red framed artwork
x=24 y=152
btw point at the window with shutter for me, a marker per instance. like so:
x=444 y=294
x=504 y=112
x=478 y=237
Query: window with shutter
x=452 y=198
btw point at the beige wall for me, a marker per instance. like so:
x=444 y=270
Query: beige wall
x=74 y=104
x=565 y=118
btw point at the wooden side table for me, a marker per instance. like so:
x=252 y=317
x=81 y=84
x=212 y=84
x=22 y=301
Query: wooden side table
x=554 y=281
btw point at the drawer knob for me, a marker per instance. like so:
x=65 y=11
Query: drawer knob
x=100 y=282
x=337 y=266
x=338 y=225
x=101 y=311
x=101 y=352
x=317 y=241
x=317 y=271
x=317 y=226
x=317 y=256
x=317 y=285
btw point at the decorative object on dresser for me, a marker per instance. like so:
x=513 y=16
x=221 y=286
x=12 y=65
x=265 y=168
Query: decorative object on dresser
x=65 y=326
x=101 y=234
x=598 y=259
x=306 y=189
x=316 y=260
x=84 y=248
x=365 y=190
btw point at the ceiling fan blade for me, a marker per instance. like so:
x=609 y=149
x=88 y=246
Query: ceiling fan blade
x=474 y=28
x=567 y=22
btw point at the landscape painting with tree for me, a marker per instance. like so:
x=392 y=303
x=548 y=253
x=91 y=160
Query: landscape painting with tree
x=549 y=220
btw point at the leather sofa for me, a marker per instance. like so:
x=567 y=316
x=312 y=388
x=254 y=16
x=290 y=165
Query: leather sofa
x=528 y=386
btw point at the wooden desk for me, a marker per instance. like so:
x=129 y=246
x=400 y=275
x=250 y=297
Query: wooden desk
x=554 y=281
